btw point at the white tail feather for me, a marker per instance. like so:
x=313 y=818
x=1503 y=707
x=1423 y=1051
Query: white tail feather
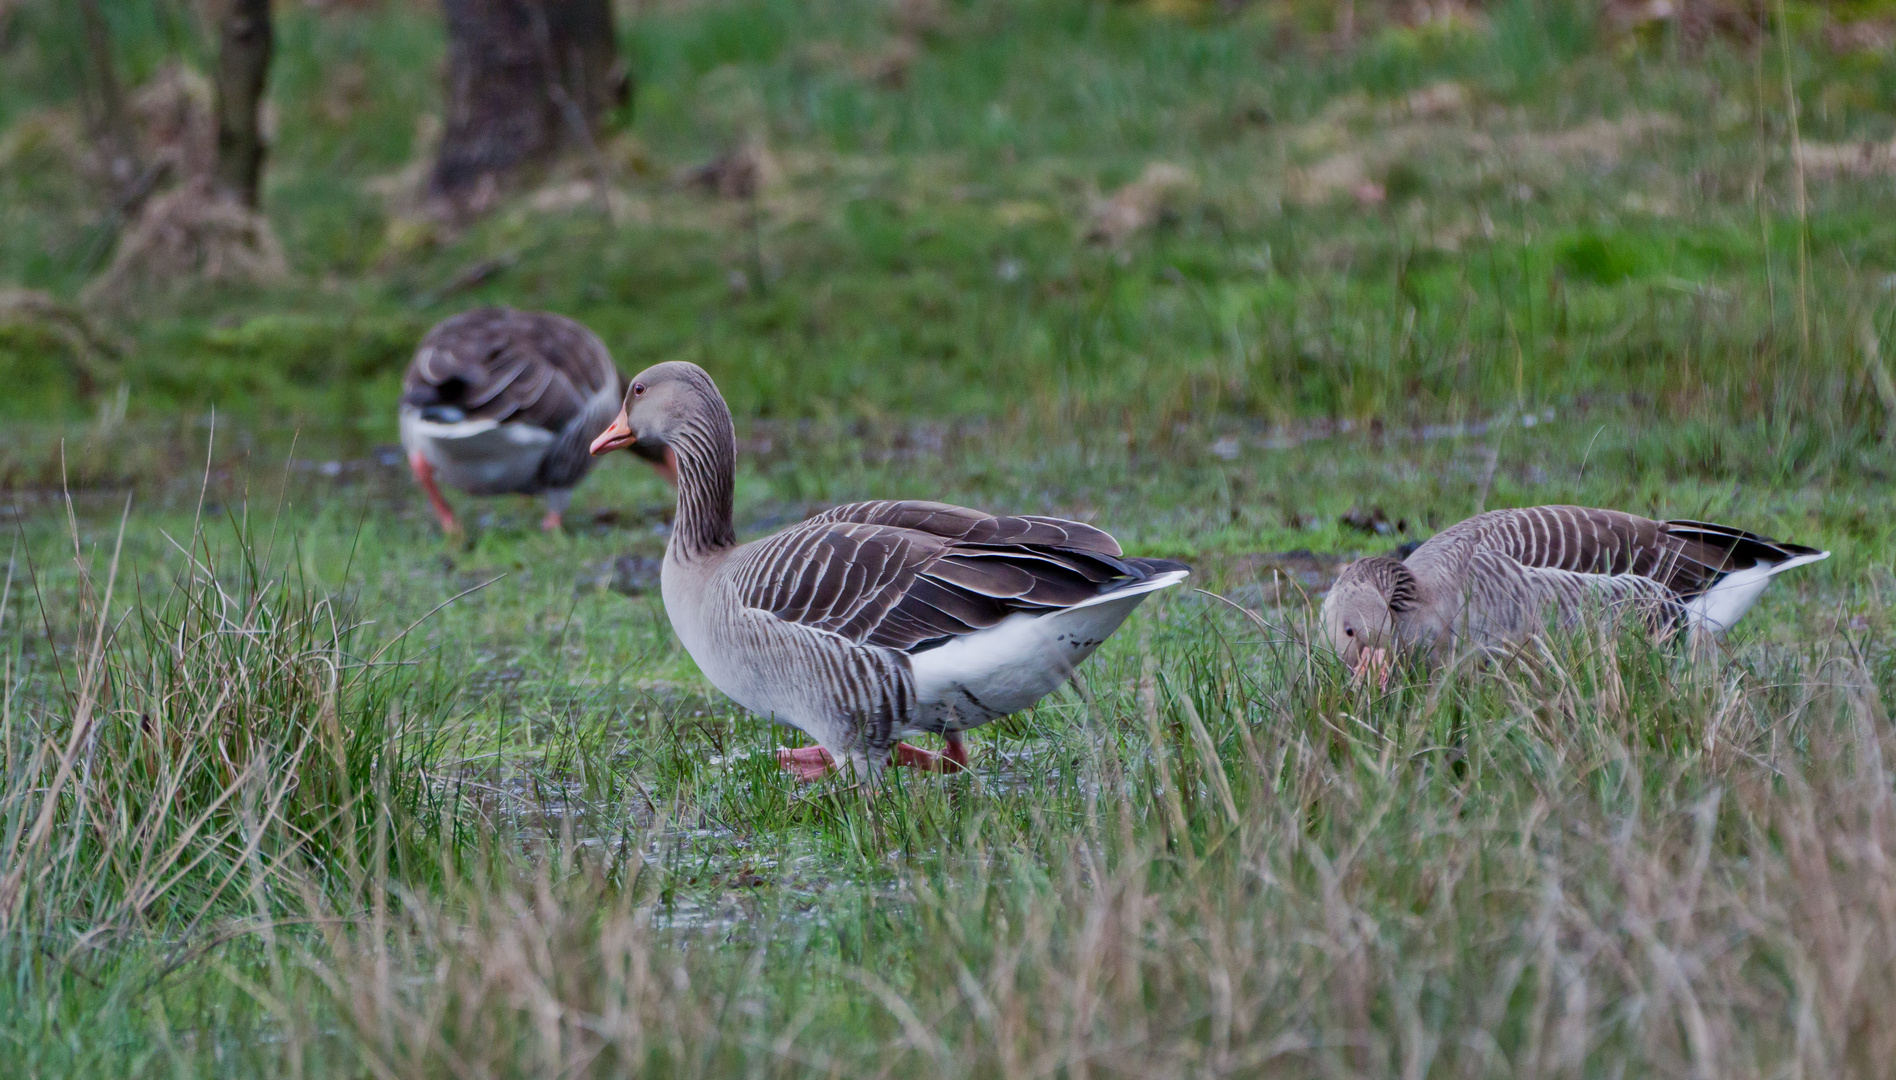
x=479 y=456
x=1021 y=659
x=1164 y=580
x=1720 y=607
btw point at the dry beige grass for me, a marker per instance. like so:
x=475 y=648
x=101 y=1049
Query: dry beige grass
x=1136 y=206
x=1819 y=159
x=1861 y=36
x=741 y=173
x=1355 y=143
x=192 y=232
x=91 y=351
x=1731 y=913
x=177 y=129
x=566 y=196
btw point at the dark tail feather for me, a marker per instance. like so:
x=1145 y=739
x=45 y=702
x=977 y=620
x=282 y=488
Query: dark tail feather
x=1741 y=549
x=449 y=391
x=1150 y=567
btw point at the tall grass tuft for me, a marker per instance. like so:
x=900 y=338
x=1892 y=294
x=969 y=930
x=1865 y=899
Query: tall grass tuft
x=185 y=759
x=1600 y=856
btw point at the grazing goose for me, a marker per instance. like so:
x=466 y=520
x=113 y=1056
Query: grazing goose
x=1496 y=578
x=873 y=620
x=500 y=401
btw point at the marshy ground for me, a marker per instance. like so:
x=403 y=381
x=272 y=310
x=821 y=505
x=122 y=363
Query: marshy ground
x=292 y=785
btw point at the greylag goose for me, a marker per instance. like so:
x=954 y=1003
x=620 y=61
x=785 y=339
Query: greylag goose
x=1498 y=577
x=875 y=620
x=500 y=401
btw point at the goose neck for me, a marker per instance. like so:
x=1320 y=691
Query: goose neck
x=706 y=459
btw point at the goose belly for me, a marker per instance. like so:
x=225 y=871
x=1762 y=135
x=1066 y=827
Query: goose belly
x=765 y=665
x=481 y=457
x=1009 y=666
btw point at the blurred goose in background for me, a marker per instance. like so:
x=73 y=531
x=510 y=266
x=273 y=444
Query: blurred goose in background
x=1497 y=578
x=874 y=620
x=499 y=401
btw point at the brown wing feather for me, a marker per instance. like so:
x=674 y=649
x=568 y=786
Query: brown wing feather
x=1685 y=557
x=974 y=527
x=497 y=363
x=904 y=575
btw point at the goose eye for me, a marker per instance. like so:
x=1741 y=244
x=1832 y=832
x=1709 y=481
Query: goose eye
x=1349 y=631
x=638 y=389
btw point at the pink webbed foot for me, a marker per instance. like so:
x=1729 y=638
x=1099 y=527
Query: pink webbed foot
x=951 y=760
x=809 y=763
x=551 y=522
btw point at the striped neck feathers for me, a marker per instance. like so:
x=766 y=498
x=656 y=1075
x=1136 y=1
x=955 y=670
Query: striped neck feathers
x=1395 y=581
x=705 y=448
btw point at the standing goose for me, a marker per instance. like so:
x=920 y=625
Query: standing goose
x=499 y=401
x=874 y=620
x=1498 y=577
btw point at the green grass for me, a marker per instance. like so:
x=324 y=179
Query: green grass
x=326 y=796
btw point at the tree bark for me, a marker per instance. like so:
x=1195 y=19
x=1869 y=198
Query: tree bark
x=114 y=125
x=526 y=79
x=243 y=63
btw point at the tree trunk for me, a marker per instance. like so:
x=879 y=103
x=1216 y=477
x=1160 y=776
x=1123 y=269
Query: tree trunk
x=526 y=79
x=113 y=125
x=243 y=62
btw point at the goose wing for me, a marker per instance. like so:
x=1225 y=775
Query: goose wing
x=509 y=366
x=1685 y=558
x=912 y=575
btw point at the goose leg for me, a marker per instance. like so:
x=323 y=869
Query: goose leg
x=424 y=475
x=557 y=501
x=953 y=759
x=956 y=750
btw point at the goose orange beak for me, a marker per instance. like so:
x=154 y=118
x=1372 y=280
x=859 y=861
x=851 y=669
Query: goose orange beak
x=619 y=434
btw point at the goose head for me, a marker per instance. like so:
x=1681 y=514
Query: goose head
x=1360 y=614
x=662 y=404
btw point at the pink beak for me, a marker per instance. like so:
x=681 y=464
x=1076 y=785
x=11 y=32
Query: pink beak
x=619 y=434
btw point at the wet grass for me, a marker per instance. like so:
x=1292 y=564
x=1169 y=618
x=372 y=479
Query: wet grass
x=289 y=784
x=529 y=835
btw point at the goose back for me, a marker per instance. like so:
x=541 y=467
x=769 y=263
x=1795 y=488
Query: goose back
x=911 y=575
x=492 y=379
x=1684 y=557
x=1496 y=575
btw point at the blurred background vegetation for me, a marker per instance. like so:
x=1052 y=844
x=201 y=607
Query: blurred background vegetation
x=1159 y=213
x=289 y=786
